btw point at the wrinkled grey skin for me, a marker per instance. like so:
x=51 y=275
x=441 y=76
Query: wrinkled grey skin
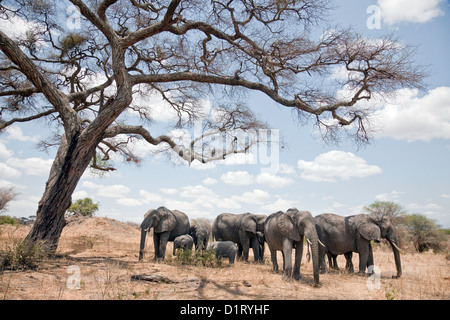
x=167 y=225
x=241 y=229
x=283 y=232
x=184 y=241
x=341 y=235
x=224 y=249
x=200 y=233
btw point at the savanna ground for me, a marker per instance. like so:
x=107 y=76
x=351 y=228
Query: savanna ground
x=105 y=252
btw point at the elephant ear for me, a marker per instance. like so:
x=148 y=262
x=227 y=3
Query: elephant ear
x=370 y=231
x=287 y=226
x=248 y=223
x=167 y=222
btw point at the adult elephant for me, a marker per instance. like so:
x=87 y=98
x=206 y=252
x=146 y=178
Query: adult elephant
x=283 y=232
x=241 y=229
x=200 y=233
x=167 y=225
x=341 y=235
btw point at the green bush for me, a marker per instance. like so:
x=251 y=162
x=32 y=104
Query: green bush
x=85 y=207
x=206 y=258
x=8 y=220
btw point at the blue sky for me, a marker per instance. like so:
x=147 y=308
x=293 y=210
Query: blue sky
x=407 y=162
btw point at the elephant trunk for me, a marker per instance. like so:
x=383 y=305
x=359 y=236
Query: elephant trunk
x=142 y=245
x=398 y=263
x=313 y=238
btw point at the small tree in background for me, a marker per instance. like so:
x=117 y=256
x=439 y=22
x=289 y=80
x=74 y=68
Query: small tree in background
x=6 y=196
x=424 y=232
x=394 y=211
x=85 y=207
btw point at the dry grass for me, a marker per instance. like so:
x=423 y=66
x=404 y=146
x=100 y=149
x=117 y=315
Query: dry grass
x=106 y=253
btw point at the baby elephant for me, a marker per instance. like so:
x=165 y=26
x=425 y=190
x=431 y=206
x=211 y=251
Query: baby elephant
x=184 y=241
x=225 y=249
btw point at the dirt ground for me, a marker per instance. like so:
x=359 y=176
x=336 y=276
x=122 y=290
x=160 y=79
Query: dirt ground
x=97 y=258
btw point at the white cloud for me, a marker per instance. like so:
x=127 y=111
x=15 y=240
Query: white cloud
x=227 y=203
x=31 y=166
x=150 y=102
x=169 y=190
x=388 y=196
x=256 y=196
x=16 y=133
x=129 y=202
x=79 y=195
x=414 y=118
x=4 y=152
x=149 y=197
x=109 y=191
x=197 y=192
x=8 y=184
x=30 y=202
x=17 y=28
x=427 y=206
x=336 y=165
x=8 y=172
x=280 y=205
x=209 y=181
x=415 y=11
x=237 y=178
x=273 y=181
x=286 y=169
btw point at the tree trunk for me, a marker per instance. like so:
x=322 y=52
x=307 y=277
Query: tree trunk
x=71 y=161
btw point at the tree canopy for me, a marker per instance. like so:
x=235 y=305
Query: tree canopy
x=85 y=207
x=95 y=69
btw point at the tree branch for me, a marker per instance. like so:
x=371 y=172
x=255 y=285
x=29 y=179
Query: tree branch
x=58 y=99
x=187 y=153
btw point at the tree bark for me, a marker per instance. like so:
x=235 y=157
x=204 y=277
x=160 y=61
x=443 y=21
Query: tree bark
x=71 y=161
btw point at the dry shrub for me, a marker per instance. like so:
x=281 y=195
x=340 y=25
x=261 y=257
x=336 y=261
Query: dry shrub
x=23 y=255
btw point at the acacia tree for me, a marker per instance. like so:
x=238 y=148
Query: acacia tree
x=86 y=80
x=6 y=195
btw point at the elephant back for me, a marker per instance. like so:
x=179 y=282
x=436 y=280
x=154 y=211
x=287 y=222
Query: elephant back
x=182 y=225
x=226 y=227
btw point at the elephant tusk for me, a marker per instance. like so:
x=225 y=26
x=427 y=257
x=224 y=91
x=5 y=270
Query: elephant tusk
x=321 y=243
x=309 y=242
x=396 y=247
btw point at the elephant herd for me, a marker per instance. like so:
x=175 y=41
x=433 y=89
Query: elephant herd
x=234 y=235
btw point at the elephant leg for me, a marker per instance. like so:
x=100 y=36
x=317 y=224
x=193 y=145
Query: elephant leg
x=245 y=248
x=287 y=253
x=255 y=247
x=164 y=238
x=330 y=262
x=370 y=261
x=363 y=249
x=298 y=259
x=322 y=264
x=349 y=263
x=335 y=264
x=156 y=242
x=273 y=258
x=261 y=252
x=239 y=252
